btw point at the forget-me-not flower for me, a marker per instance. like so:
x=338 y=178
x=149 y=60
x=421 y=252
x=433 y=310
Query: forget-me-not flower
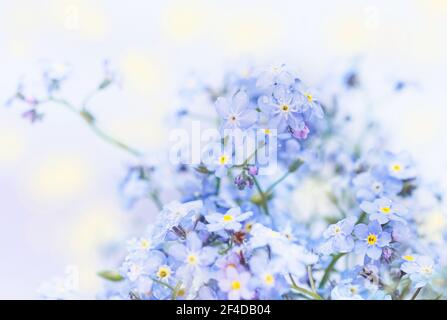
x=231 y=220
x=400 y=166
x=371 y=239
x=236 y=112
x=376 y=183
x=236 y=284
x=384 y=210
x=419 y=268
x=339 y=237
x=282 y=109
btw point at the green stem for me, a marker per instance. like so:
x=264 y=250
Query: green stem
x=176 y=290
x=155 y=198
x=90 y=122
x=329 y=269
x=263 y=196
x=302 y=290
x=88 y=98
x=311 y=279
x=163 y=284
x=274 y=184
x=292 y=168
x=413 y=297
x=218 y=182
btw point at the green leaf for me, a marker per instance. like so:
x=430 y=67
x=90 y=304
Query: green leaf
x=111 y=275
x=202 y=169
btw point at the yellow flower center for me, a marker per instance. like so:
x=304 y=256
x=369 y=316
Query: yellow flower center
x=267 y=131
x=145 y=244
x=285 y=108
x=223 y=159
x=192 y=259
x=309 y=97
x=372 y=239
x=181 y=292
x=228 y=218
x=408 y=258
x=337 y=229
x=269 y=279
x=248 y=227
x=235 y=285
x=353 y=290
x=385 y=210
x=396 y=167
x=163 y=272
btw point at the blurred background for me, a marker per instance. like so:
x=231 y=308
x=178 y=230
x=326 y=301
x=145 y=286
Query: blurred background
x=59 y=204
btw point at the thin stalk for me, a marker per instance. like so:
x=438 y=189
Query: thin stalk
x=100 y=133
x=274 y=184
x=218 y=183
x=329 y=269
x=311 y=279
x=415 y=294
x=155 y=198
x=163 y=284
x=292 y=168
x=263 y=196
x=176 y=290
x=302 y=290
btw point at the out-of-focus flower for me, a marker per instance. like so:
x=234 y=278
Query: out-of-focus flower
x=420 y=269
x=235 y=284
x=384 y=210
x=400 y=165
x=376 y=183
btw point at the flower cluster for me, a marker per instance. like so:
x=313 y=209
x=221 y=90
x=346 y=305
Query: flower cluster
x=239 y=239
x=336 y=220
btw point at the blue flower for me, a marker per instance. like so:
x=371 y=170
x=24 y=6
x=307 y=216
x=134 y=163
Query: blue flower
x=138 y=265
x=171 y=215
x=338 y=236
x=282 y=109
x=384 y=210
x=419 y=268
x=142 y=245
x=309 y=101
x=194 y=261
x=236 y=284
x=267 y=275
x=192 y=253
x=231 y=220
x=348 y=290
x=236 y=113
x=219 y=158
x=400 y=166
x=276 y=74
x=376 y=183
x=371 y=239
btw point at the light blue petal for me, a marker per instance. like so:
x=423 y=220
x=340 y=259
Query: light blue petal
x=374 y=252
x=176 y=250
x=193 y=242
x=368 y=207
x=361 y=231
